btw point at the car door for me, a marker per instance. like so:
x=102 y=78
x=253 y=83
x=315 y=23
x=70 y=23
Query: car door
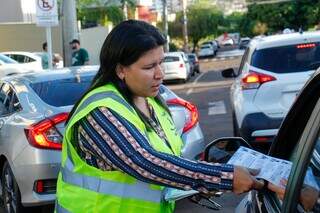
x=9 y=105
x=298 y=141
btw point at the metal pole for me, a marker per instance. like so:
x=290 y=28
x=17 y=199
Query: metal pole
x=185 y=26
x=69 y=28
x=165 y=23
x=49 y=45
x=125 y=10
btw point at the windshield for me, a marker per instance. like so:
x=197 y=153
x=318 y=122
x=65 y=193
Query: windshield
x=288 y=59
x=62 y=92
x=171 y=59
x=7 y=60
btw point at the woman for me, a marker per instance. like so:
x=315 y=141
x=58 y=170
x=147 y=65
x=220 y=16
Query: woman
x=121 y=148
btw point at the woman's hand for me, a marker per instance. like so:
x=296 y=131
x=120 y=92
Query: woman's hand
x=244 y=180
x=308 y=194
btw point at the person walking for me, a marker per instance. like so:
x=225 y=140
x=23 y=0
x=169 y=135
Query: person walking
x=45 y=56
x=80 y=55
x=121 y=149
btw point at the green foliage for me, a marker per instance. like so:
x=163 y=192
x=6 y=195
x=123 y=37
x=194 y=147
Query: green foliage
x=203 y=21
x=173 y=47
x=101 y=15
x=276 y=17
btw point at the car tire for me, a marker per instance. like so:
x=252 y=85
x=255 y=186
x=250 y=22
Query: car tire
x=236 y=131
x=10 y=191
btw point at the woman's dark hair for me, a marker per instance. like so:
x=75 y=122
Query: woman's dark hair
x=124 y=45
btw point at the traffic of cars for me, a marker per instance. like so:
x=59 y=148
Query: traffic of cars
x=272 y=72
x=33 y=110
x=297 y=142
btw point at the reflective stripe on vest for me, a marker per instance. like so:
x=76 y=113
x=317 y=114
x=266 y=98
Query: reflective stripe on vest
x=102 y=95
x=139 y=190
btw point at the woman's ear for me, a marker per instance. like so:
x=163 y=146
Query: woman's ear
x=120 y=71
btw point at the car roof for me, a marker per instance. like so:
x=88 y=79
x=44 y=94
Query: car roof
x=46 y=75
x=30 y=54
x=284 y=40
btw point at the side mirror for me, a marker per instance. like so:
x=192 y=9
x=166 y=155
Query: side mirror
x=222 y=149
x=228 y=73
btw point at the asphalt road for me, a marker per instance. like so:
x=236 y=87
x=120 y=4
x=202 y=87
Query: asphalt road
x=215 y=119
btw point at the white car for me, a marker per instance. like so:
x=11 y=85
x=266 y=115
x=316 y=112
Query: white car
x=227 y=42
x=271 y=74
x=33 y=59
x=176 y=66
x=9 y=66
x=29 y=60
x=206 y=50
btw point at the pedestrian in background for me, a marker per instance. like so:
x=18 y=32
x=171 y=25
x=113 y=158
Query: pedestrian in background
x=121 y=148
x=80 y=56
x=45 y=56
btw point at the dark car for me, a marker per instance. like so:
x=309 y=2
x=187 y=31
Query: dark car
x=297 y=141
x=194 y=59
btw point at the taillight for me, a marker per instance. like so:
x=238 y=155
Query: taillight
x=44 y=134
x=194 y=115
x=181 y=65
x=253 y=80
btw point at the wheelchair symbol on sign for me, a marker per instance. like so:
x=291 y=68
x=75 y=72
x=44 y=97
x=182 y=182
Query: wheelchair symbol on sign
x=46 y=5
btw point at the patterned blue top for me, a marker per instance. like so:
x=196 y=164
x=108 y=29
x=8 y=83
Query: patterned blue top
x=108 y=141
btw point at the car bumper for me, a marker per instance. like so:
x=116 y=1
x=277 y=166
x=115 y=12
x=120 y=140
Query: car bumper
x=33 y=165
x=194 y=143
x=173 y=76
x=258 y=125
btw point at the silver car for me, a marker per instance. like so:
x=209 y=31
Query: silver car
x=33 y=110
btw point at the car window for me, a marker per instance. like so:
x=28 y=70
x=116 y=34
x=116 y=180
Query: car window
x=62 y=92
x=288 y=59
x=302 y=190
x=6 y=94
x=171 y=58
x=7 y=60
x=243 y=61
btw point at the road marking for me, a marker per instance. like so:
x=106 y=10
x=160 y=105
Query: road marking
x=217 y=108
x=190 y=90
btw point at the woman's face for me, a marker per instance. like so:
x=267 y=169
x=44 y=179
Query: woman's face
x=145 y=75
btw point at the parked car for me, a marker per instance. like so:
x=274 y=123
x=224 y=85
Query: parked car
x=9 y=66
x=194 y=60
x=33 y=60
x=244 y=42
x=227 y=42
x=297 y=141
x=29 y=60
x=33 y=111
x=206 y=50
x=214 y=45
x=176 y=66
x=271 y=74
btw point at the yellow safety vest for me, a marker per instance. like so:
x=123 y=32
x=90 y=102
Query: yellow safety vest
x=84 y=188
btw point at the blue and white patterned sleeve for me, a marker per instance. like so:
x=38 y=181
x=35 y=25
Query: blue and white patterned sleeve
x=108 y=141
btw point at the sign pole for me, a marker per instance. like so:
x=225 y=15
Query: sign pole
x=49 y=43
x=47 y=16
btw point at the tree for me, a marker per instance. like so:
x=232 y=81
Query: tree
x=203 y=21
x=92 y=12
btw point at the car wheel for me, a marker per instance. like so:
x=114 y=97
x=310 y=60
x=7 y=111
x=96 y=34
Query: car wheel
x=10 y=191
x=236 y=131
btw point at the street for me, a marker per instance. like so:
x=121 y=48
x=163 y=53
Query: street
x=214 y=117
